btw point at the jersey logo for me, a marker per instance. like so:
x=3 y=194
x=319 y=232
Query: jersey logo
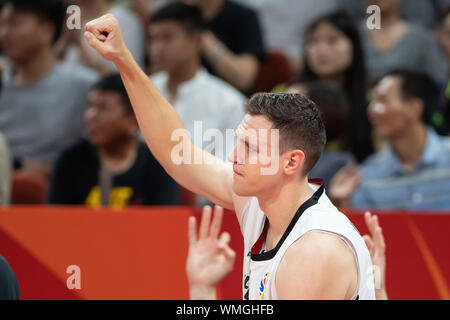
x=263 y=285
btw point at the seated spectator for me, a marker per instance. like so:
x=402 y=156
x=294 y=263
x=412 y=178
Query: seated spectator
x=282 y=22
x=9 y=286
x=175 y=47
x=335 y=111
x=73 y=48
x=399 y=44
x=41 y=101
x=413 y=170
x=233 y=45
x=333 y=54
x=113 y=167
x=5 y=173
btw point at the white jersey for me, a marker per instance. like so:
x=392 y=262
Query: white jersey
x=317 y=214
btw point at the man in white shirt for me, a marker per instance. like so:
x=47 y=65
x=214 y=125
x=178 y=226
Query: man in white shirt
x=202 y=100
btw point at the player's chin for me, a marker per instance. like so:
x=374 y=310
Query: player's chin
x=241 y=189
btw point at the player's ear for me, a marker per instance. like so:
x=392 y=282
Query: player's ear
x=294 y=162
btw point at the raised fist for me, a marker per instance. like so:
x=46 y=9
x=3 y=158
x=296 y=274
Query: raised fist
x=103 y=34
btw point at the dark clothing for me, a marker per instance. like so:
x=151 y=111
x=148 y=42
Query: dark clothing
x=239 y=29
x=75 y=180
x=9 y=286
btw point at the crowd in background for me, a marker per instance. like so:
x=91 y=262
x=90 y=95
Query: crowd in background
x=68 y=134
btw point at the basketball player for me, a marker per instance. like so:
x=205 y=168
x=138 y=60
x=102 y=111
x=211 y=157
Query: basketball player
x=210 y=258
x=297 y=244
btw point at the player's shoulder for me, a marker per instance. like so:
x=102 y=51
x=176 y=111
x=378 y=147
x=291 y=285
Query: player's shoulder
x=317 y=245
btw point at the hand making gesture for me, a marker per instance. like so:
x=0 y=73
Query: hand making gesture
x=210 y=258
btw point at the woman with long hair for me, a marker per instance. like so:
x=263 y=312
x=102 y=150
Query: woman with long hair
x=333 y=53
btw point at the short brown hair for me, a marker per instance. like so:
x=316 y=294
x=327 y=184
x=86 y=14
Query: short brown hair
x=298 y=120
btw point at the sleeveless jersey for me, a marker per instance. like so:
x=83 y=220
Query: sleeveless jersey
x=317 y=214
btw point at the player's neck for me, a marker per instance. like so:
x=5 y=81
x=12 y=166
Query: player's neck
x=280 y=207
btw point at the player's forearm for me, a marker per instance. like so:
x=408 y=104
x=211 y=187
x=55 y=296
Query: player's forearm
x=156 y=117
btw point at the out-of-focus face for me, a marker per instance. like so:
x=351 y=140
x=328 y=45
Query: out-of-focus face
x=106 y=119
x=391 y=115
x=170 y=46
x=257 y=163
x=22 y=33
x=329 y=52
x=385 y=5
x=444 y=35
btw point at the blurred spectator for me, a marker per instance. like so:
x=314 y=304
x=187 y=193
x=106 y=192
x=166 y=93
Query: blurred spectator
x=9 y=286
x=41 y=102
x=74 y=49
x=413 y=171
x=284 y=22
x=399 y=44
x=441 y=119
x=233 y=45
x=333 y=54
x=423 y=13
x=5 y=173
x=335 y=111
x=175 y=47
x=113 y=167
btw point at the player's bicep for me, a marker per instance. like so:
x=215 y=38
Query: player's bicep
x=314 y=268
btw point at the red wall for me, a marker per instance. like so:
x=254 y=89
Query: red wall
x=140 y=253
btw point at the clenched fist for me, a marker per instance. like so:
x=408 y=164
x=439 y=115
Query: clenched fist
x=103 y=34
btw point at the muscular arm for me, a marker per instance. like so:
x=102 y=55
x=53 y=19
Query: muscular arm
x=157 y=119
x=317 y=266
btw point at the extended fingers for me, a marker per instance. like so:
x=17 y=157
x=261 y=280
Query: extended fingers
x=205 y=222
x=371 y=222
x=216 y=222
x=192 y=230
x=379 y=240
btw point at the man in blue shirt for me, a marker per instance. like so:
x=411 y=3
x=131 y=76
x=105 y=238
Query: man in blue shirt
x=413 y=170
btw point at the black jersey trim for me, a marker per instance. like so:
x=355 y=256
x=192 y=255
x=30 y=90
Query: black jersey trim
x=271 y=253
